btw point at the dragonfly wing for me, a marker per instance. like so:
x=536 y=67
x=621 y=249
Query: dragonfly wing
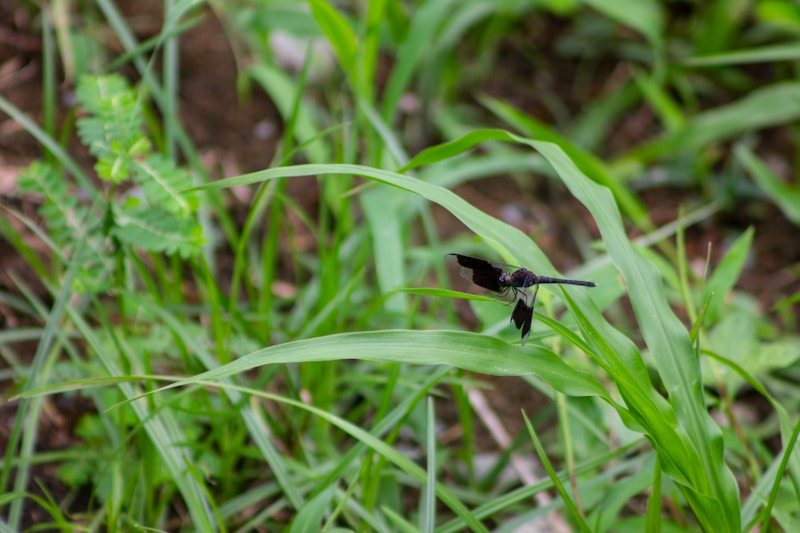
x=480 y=272
x=522 y=316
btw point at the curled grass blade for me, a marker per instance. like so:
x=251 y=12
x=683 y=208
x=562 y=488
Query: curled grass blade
x=711 y=488
x=469 y=351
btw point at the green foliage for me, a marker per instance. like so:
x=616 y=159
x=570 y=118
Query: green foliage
x=112 y=131
x=155 y=216
x=75 y=230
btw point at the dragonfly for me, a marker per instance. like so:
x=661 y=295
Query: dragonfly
x=506 y=279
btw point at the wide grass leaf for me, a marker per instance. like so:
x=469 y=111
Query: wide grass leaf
x=469 y=351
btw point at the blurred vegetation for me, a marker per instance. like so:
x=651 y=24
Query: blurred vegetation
x=275 y=347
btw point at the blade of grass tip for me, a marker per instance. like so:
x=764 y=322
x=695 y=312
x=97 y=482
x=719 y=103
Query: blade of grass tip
x=339 y=35
x=785 y=197
x=682 y=259
x=565 y=497
x=728 y=271
x=761 y=54
x=313 y=512
x=428 y=503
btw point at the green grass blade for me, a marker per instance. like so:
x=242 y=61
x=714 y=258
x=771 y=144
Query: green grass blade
x=514 y=245
x=470 y=351
x=339 y=34
x=27 y=417
x=428 y=507
x=782 y=466
x=724 y=277
x=381 y=213
x=654 y=506
x=421 y=33
x=551 y=472
x=712 y=492
x=785 y=197
x=311 y=515
x=762 y=54
x=589 y=164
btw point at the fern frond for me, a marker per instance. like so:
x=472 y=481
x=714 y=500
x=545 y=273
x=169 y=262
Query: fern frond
x=66 y=220
x=61 y=210
x=157 y=230
x=113 y=133
x=109 y=96
x=159 y=219
x=162 y=182
x=94 y=265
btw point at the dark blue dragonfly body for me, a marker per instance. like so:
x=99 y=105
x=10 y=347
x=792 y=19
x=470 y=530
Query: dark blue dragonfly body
x=504 y=280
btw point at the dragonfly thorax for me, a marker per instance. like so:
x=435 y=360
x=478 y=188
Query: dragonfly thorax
x=522 y=278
